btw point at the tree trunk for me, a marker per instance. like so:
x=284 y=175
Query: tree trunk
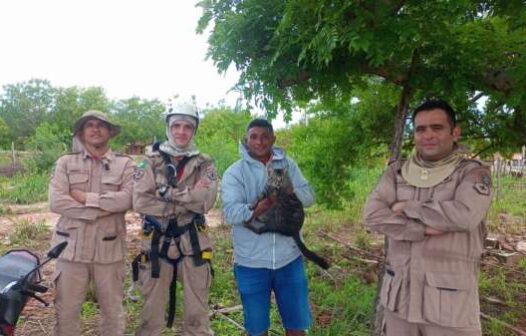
x=401 y=114
x=396 y=150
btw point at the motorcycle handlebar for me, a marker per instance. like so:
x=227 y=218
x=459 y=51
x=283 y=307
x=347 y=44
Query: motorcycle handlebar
x=37 y=288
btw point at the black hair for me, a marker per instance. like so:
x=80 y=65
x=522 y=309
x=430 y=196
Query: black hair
x=260 y=123
x=432 y=104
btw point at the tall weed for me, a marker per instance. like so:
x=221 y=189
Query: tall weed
x=26 y=232
x=508 y=210
x=24 y=188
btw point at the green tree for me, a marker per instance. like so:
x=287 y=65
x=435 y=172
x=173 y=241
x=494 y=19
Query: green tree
x=292 y=52
x=142 y=121
x=219 y=134
x=25 y=105
x=70 y=103
x=4 y=133
x=47 y=146
x=336 y=139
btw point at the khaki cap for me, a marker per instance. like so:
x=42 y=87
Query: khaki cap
x=93 y=114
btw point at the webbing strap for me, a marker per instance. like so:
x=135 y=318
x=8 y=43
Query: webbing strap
x=173 y=298
x=172 y=172
x=196 y=248
x=135 y=267
x=154 y=254
x=172 y=232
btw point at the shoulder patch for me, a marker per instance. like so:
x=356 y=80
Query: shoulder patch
x=483 y=182
x=486 y=179
x=211 y=173
x=143 y=164
x=481 y=188
x=137 y=174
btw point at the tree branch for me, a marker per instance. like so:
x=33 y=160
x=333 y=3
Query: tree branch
x=302 y=77
x=482 y=150
x=476 y=97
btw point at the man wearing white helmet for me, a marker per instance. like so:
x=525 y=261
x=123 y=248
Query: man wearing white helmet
x=174 y=187
x=91 y=189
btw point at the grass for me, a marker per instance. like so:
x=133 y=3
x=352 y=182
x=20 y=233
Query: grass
x=3 y=210
x=6 y=157
x=24 y=188
x=508 y=210
x=342 y=299
x=27 y=234
x=507 y=284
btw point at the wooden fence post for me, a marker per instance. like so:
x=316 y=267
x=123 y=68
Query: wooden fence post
x=13 y=157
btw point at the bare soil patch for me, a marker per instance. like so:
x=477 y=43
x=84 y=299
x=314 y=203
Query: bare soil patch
x=37 y=319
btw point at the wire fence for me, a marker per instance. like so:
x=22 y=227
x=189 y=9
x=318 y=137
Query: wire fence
x=508 y=211
x=11 y=161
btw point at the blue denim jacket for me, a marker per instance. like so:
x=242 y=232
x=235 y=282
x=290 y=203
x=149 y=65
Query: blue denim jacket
x=241 y=185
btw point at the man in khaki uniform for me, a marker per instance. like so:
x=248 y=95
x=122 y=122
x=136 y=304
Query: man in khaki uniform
x=91 y=189
x=176 y=185
x=432 y=208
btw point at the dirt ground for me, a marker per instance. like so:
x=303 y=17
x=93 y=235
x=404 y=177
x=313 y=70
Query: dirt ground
x=37 y=319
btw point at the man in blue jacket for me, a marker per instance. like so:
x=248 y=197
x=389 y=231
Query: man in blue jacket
x=268 y=261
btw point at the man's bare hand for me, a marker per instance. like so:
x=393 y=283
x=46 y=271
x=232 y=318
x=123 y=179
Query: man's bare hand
x=429 y=231
x=263 y=206
x=398 y=206
x=78 y=196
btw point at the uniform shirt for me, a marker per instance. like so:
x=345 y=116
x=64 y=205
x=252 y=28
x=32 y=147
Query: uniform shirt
x=432 y=279
x=95 y=231
x=181 y=202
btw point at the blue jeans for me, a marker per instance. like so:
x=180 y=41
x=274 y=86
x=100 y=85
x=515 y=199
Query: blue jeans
x=289 y=284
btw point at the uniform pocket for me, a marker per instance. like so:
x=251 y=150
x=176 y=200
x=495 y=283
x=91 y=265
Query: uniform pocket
x=110 y=242
x=404 y=191
x=66 y=231
x=199 y=277
x=450 y=300
x=390 y=292
x=111 y=182
x=145 y=283
x=78 y=181
x=55 y=277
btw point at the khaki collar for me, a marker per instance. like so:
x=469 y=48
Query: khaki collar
x=108 y=156
x=426 y=174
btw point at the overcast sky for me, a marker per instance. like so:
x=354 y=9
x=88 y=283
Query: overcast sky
x=128 y=47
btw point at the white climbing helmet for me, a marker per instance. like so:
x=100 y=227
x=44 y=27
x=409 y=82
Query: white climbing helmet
x=182 y=108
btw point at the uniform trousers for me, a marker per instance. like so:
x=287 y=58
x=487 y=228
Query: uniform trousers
x=72 y=280
x=396 y=326
x=196 y=283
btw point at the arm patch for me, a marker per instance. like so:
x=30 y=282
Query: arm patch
x=137 y=174
x=483 y=183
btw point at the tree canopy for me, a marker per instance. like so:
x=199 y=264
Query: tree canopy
x=26 y=106
x=296 y=51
